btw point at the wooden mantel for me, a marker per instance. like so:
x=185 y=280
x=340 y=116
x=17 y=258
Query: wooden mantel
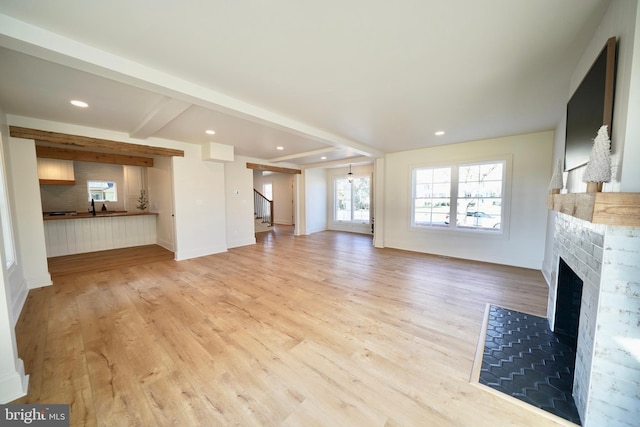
x=599 y=208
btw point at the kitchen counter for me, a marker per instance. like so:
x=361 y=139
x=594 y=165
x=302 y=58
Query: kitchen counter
x=72 y=233
x=88 y=215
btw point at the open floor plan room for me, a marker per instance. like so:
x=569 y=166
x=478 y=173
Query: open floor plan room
x=314 y=330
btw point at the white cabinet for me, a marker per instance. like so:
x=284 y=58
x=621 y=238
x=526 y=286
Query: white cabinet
x=78 y=235
x=54 y=171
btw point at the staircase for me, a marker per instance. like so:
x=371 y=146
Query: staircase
x=263 y=211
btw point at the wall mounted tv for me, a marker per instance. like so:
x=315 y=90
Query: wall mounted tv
x=590 y=107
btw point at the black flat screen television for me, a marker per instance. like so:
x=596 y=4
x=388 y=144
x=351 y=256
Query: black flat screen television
x=590 y=107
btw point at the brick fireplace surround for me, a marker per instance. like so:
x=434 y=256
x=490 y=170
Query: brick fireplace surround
x=606 y=385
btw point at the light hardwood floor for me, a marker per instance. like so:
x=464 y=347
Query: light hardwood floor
x=320 y=330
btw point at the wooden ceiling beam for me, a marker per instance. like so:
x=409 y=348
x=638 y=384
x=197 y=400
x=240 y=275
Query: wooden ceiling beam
x=256 y=166
x=92 y=156
x=85 y=141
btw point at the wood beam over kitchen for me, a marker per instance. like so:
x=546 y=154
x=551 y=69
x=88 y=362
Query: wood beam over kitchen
x=88 y=142
x=91 y=156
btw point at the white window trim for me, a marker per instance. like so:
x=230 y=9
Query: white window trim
x=336 y=221
x=503 y=233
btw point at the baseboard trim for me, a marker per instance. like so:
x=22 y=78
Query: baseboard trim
x=14 y=385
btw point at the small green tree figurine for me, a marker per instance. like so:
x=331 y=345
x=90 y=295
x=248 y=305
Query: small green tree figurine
x=142 y=201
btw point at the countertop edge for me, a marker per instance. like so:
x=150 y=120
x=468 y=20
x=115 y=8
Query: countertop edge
x=98 y=215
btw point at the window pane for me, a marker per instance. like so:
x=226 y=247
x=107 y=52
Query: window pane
x=267 y=191
x=492 y=171
x=432 y=191
x=361 y=199
x=423 y=190
x=468 y=189
x=442 y=175
x=490 y=189
x=343 y=200
x=441 y=190
x=102 y=191
x=469 y=173
x=479 y=196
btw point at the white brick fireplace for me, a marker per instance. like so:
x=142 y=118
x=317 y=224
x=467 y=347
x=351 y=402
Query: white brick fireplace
x=607 y=373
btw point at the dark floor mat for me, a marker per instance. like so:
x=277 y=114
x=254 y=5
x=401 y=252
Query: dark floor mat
x=523 y=358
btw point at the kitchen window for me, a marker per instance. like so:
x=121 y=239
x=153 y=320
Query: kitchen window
x=102 y=191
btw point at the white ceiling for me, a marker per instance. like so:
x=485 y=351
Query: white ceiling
x=333 y=78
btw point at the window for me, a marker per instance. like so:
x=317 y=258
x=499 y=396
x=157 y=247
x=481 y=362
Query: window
x=470 y=193
x=352 y=200
x=480 y=196
x=267 y=191
x=432 y=196
x=102 y=191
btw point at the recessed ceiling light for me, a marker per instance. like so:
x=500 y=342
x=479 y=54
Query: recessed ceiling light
x=279 y=147
x=79 y=103
x=440 y=132
x=210 y=132
x=323 y=158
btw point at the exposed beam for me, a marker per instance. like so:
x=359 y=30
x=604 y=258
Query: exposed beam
x=256 y=166
x=355 y=161
x=305 y=154
x=85 y=141
x=44 y=44
x=91 y=156
x=159 y=117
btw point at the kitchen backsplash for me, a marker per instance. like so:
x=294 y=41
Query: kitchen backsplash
x=76 y=197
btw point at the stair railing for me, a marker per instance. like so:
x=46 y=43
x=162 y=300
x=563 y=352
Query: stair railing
x=263 y=207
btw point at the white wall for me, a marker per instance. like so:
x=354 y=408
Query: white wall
x=621 y=21
x=630 y=174
x=316 y=191
x=523 y=242
x=28 y=214
x=13 y=381
x=239 y=203
x=199 y=198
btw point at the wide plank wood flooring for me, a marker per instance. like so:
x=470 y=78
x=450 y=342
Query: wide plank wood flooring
x=106 y=260
x=320 y=330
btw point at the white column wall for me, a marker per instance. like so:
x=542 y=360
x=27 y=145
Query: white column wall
x=28 y=213
x=13 y=381
x=239 y=203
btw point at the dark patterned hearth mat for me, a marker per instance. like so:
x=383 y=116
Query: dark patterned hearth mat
x=523 y=358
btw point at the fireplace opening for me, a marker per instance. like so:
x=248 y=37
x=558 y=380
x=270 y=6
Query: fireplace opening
x=568 y=298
